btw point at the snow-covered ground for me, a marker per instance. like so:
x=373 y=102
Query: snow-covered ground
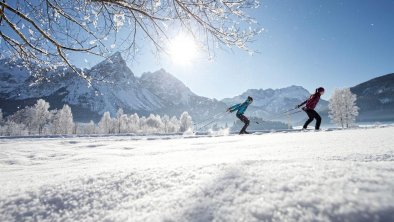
x=343 y=175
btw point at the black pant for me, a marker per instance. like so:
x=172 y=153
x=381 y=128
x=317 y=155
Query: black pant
x=312 y=114
x=245 y=120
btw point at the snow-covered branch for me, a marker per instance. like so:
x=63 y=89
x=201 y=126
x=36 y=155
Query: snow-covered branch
x=47 y=31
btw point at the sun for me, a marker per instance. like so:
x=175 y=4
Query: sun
x=183 y=50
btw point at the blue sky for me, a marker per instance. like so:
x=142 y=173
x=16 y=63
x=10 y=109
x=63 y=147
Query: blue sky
x=306 y=42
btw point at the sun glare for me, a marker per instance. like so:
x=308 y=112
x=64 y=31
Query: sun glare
x=183 y=50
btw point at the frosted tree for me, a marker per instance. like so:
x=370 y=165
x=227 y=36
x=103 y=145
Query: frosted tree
x=40 y=116
x=121 y=121
x=142 y=124
x=167 y=124
x=47 y=31
x=154 y=123
x=175 y=125
x=105 y=123
x=342 y=107
x=118 y=120
x=170 y=125
x=67 y=119
x=57 y=122
x=56 y=127
x=133 y=123
x=23 y=116
x=76 y=128
x=63 y=122
x=185 y=122
x=90 y=128
x=12 y=128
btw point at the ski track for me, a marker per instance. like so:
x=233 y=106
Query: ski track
x=340 y=175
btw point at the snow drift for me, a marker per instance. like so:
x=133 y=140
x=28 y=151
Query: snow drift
x=344 y=175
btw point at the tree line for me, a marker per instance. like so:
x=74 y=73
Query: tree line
x=39 y=120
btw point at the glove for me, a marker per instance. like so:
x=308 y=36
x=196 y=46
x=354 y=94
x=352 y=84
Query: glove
x=297 y=106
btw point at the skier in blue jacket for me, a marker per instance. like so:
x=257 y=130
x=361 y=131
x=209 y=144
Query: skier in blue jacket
x=241 y=108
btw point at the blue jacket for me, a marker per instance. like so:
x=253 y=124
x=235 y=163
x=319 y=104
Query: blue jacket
x=240 y=107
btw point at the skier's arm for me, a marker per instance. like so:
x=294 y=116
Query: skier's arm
x=303 y=103
x=233 y=108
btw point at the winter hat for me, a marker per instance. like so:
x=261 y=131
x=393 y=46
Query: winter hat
x=320 y=89
x=250 y=98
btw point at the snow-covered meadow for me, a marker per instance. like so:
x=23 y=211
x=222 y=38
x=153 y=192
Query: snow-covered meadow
x=340 y=175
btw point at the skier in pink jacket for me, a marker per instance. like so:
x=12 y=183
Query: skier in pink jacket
x=309 y=108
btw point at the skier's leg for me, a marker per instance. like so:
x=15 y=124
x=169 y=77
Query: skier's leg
x=310 y=116
x=246 y=121
x=318 y=120
x=240 y=118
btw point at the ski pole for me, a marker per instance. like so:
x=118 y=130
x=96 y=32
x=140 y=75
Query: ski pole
x=285 y=113
x=218 y=116
x=212 y=117
x=206 y=125
x=294 y=112
x=209 y=119
x=290 y=110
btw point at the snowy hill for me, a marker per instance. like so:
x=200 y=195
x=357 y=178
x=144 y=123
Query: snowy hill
x=344 y=175
x=270 y=102
x=376 y=98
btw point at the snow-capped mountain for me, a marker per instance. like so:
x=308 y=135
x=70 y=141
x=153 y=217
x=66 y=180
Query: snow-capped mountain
x=178 y=97
x=167 y=87
x=375 y=98
x=270 y=102
x=119 y=88
x=113 y=86
x=273 y=100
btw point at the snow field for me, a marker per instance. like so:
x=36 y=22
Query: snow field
x=345 y=175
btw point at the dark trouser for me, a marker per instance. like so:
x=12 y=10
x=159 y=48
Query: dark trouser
x=312 y=114
x=244 y=120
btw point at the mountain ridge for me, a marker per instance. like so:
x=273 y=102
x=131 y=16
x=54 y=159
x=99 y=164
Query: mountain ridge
x=115 y=86
x=375 y=98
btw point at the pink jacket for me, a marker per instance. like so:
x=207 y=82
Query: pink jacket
x=312 y=101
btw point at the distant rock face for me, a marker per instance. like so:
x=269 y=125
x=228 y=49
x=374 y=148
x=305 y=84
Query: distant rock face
x=167 y=87
x=375 y=98
x=178 y=97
